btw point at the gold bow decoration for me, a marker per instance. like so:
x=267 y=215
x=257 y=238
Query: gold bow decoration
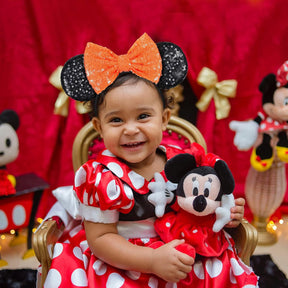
x=61 y=106
x=219 y=91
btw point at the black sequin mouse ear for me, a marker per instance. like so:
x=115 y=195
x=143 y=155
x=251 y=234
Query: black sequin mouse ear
x=74 y=81
x=174 y=65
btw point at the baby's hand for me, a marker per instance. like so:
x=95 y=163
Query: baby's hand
x=237 y=213
x=170 y=264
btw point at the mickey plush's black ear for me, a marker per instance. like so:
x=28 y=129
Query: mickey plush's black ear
x=174 y=65
x=268 y=87
x=10 y=117
x=74 y=81
x=178 y=166
x=225 y=176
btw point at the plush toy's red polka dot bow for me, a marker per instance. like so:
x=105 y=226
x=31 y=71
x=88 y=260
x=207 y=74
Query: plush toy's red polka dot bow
x=282 y=75
x=102 y=66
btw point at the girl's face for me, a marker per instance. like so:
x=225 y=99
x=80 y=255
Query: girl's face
x=131 y=121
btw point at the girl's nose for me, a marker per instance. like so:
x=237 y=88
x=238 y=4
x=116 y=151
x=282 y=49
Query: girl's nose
x=131 y=129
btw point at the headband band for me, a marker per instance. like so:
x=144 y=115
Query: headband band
x=85 y=76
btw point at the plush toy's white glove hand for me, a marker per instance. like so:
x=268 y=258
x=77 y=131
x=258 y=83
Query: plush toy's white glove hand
x=223 y=213
x=161 y=193
x=246 y=133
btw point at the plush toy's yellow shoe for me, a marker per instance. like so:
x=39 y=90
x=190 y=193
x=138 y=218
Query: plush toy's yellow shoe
x=282 y=153
x=259 y=164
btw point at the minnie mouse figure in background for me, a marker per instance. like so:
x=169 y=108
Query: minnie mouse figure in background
x=204 y=197
x=271 y=121
x=9 y=150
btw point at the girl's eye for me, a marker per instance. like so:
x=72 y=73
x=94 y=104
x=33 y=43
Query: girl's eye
x=285 y=102
x=143 y=116
x=115 y=120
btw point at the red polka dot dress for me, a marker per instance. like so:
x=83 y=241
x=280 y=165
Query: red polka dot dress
x=108 y=191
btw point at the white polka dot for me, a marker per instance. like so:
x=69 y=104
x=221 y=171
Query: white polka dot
x=113 y=190
x=78 y=253
x=80 y=177
x=182 y=234
x=195 y=231
x=232 y=278
x=115 y=280
x=85 y=261
x=198 y=269
x=145 y=240
x=206 y=244
x=116 y=169
x=171 y=285
x=18 y=215
x=127 y=206
x=167 y=224
x=237 y=269
x=128 y=192
x=91 y=200
x=214 y=267
x=84 y=245
x=98 y=178
x=134 y=275
x=249 y=286
x=99 y=267
x=108 y=153
x=85 y=198
x=94 y=165
x=53 y=279
x=58 y=249
x=153 y=282
x=136 y=179
x=3 y=220
x=79 y=278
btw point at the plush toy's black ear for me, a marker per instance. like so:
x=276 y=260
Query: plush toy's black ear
x=174 y=65
x=178 y=166
x=10 y=117
x=225 y=176
x=267 y=87
x=74 y=81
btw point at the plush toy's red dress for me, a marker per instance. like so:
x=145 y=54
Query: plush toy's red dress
x=216 y=263
x=109 y=192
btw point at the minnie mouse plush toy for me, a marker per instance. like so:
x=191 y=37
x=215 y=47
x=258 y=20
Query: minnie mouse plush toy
x=271 y=123
x=204 y=197
x=9 y=150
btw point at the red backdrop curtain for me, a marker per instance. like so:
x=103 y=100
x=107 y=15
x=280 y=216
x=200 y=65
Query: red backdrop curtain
x=242 y=40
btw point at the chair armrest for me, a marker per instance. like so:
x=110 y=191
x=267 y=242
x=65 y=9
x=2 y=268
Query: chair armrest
x=245 y=237
x=43 y=242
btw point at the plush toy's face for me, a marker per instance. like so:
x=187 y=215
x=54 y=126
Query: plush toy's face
x=278 y=110
x=9 y=144
x=200 y=194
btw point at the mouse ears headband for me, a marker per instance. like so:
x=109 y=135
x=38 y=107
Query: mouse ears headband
x=86 y=75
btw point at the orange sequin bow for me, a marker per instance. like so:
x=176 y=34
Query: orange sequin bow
x=102 y=65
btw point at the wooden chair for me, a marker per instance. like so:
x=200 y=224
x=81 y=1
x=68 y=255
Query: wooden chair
x=87 y=143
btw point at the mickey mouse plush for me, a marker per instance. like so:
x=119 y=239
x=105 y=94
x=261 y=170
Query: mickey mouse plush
x=9 y=149
x=271 y=122
x=204 y=198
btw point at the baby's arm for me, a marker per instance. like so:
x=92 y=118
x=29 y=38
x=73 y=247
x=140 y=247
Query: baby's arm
x=165 y=261
x=237 y=213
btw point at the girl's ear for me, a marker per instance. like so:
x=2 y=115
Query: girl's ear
x=165 y=118
x=97 y=125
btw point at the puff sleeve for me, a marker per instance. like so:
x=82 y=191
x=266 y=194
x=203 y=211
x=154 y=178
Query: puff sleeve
x=101 y=193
